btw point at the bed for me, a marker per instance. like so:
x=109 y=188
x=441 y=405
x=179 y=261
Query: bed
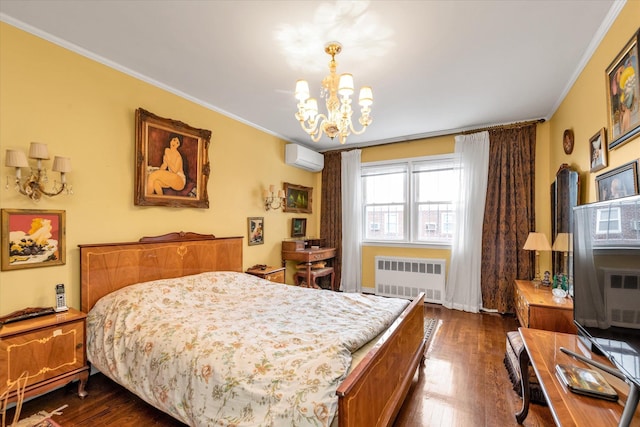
x=370 y=394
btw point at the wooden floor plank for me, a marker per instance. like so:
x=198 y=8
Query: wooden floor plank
x=463 y=383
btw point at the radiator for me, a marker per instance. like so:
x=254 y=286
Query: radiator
x=407 y=277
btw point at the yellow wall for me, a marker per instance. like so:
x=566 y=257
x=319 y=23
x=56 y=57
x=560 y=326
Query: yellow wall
x=85 y=110
x=583 y=110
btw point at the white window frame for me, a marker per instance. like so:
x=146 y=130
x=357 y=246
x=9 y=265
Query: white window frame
x=604 y=226
x=411 y=223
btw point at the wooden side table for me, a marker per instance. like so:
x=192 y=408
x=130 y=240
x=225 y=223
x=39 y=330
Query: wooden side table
x=537 y=308
x=48 y=350
x=273 y=274
x=567 y=408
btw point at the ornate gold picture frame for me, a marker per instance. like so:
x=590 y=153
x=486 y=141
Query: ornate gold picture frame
x=172 y=162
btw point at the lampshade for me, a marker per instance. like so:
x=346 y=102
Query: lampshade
x=366 y=96
x=38 y=150
x=345 y=88
x=302 y=90
x=537 y=242
x=61 y=164
x=16 y=159
x=563 y=243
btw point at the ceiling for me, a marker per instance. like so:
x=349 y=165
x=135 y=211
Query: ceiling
x=436 y=67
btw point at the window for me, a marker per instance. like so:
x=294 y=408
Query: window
x=608 y=221
x=410 y=200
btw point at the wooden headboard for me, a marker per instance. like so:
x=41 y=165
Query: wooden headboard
x=105 y=268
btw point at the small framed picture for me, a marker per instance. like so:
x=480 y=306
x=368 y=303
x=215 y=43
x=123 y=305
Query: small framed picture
x=172 y=162
x=598 y=150
x=298 y=227
x=297 y=198
x=623 y=94
x=32 y=238
x=619 y=182
x=255 y=227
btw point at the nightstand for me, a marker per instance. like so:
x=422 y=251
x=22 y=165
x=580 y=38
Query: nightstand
x=49 y=350
x=274 y=274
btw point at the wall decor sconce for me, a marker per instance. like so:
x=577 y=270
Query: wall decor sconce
x=34 y=185
x=273 y=200
x=537 y=242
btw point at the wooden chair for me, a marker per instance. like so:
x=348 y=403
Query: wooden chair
x=301 y=277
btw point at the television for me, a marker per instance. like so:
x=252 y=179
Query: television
x=605 y=281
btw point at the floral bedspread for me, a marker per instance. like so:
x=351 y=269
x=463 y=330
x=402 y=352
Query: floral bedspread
x=226 y=348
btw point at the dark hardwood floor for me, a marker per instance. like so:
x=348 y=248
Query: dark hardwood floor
x=463 y=383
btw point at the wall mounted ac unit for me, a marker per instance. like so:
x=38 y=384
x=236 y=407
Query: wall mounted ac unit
x=303 y=158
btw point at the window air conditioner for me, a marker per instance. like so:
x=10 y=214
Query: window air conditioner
x=303 y=158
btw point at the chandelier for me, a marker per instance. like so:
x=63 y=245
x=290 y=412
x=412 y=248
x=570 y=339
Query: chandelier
x=33 y=186
x=337 y=93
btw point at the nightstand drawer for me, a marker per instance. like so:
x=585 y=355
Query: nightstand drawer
x=43 y=354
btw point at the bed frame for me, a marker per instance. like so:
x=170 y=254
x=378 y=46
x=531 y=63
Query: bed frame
x=372 y=393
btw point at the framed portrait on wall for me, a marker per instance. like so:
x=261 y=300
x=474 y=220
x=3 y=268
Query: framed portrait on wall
x=32 y=238
x=623 y=93
x=598 y=150
x=619 y=182
x=172 y=162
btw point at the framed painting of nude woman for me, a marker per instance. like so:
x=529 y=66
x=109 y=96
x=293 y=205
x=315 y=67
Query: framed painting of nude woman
x=172 y=162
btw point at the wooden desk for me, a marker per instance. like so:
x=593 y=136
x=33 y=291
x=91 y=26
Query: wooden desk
x=537 y=308
x=567 y=408
x=308 y=256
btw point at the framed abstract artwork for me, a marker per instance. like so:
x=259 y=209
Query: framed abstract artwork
x=172 y=162
x=32 y=238
x=623 y=93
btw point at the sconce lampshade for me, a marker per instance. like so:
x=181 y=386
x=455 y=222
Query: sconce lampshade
x=16 y=159
x=61 y=164
x=537 y=242
x=38 y=150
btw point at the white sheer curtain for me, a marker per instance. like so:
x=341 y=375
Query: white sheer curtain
x=351 y=222
x=463 y=291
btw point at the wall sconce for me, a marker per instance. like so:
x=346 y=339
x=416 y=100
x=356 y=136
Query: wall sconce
x=273 y=201
x=34 y=185
x=537 y=242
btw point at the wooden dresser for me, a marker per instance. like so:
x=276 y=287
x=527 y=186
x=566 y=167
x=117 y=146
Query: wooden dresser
x=48 y=351
x=537 y=308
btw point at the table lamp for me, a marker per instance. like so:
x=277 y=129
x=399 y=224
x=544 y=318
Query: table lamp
x=537 y=242
x=563 y=243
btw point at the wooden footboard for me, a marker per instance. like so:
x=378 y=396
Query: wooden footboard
x=374 y=392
